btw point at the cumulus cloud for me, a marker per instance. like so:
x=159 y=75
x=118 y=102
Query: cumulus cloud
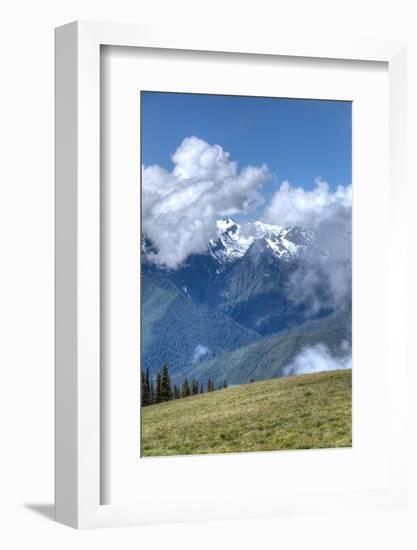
x=323 y=278
x=297 y=206
x=180 y=207
x=318 y=358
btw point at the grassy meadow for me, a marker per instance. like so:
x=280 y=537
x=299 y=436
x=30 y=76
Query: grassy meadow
x=308 y=411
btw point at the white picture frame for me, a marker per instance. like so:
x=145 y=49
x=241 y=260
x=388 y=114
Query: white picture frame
x=78 y=405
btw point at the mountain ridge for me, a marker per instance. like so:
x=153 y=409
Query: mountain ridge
x=234 y=296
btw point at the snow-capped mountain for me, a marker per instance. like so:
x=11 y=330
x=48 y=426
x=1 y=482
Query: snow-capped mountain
x=233 y=240
x=240 y=290
x=243 y=273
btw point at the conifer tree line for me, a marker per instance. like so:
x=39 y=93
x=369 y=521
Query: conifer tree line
x=157 y=389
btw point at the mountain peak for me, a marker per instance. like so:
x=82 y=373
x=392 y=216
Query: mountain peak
x=226 y=224
x=234 y=240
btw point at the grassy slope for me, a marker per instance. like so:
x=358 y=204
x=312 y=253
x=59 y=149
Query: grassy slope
x=299 y=412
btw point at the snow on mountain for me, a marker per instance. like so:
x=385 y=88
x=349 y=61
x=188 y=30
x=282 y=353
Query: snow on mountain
x=231 y=243
x=233 y=240
x=290 y=241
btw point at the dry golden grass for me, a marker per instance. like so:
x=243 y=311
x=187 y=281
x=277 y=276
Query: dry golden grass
x=310 y=411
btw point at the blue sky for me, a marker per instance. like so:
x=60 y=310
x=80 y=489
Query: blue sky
x=299 y=140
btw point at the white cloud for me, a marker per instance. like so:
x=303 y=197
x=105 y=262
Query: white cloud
x=200 y=352
x=180 y=208
x=323 y=278
x=318 y=358
x=296 y=206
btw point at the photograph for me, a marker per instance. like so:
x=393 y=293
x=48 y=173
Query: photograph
x=209 y=255
x=246 y=274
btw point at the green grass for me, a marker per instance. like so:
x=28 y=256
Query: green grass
x=310 y=411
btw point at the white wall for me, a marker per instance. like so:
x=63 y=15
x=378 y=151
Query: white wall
x=26 y=273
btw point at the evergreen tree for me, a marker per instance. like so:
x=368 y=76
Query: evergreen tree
x=158 y=389
x=194 y=387
x=225 y=384
x=176 y=392
x=144 y=390
x=210 y=385
x=185 y=389
x=151 y=393
x=166 y=391
x=201 y=388
x=148 y=385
